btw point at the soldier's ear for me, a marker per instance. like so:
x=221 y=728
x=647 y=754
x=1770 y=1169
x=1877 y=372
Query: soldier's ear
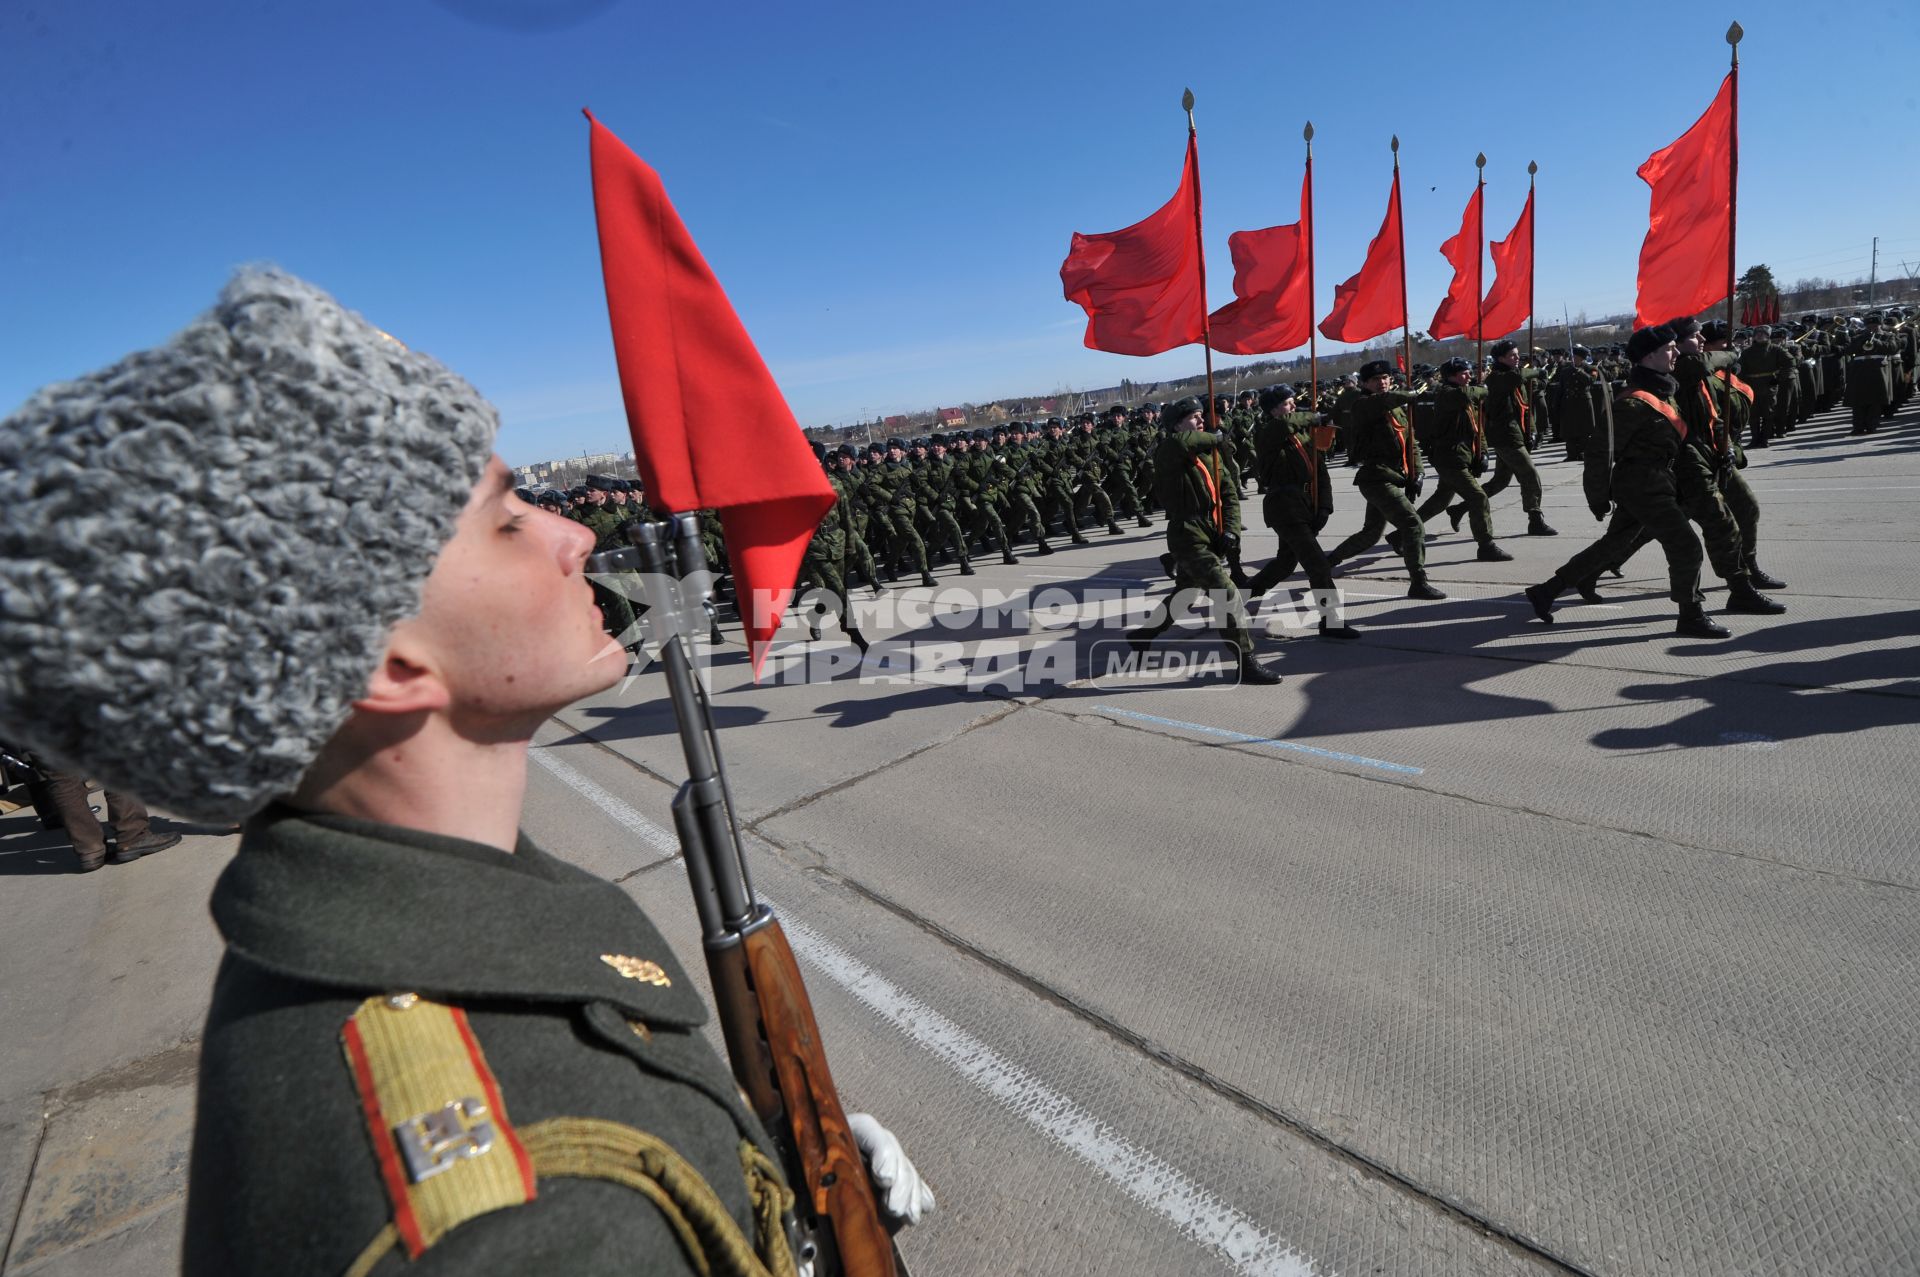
x=404 y=682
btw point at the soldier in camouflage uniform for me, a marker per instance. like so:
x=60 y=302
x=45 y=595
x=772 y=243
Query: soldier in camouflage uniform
x=1653 y=480
x=1117 y=459
x=824 y=566
x=1458 y=452
x=1510 y=409
x=892 y=486
x=943 y=489
x=1202 y=515
x=1025 y=486
x=1297 y=501
x=986 y=477
x=1091 y=458
x=1381 y=444
x=853 y=481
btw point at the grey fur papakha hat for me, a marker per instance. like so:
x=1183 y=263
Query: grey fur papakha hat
x=204 y=546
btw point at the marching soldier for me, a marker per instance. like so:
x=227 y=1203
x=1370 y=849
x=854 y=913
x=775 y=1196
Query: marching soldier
x=824 y=566
x=1510 y=411
x=1381 y=443
x=1766 y=367
x=1202 y=514
x=1459 y=450
x=1297 y=501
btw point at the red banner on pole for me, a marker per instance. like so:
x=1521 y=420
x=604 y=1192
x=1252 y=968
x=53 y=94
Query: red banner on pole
x=1272 y=308
x=1512 y=293
x=1683 y=260
x=1459 y=312
x=1372 y=301
x=1141 y=286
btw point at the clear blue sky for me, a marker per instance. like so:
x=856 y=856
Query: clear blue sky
x=886 y=191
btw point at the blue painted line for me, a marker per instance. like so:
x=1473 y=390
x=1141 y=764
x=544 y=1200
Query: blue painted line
x=1245 y=739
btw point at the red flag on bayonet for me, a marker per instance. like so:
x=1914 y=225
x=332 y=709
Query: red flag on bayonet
x=710 y=428
x=1459 y=312
x=1512 y=293
x=1272 y=308
x=1683 y=260
x=1141 y=286
x=1373 y=301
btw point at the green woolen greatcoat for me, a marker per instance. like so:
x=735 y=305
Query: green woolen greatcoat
x=322 y=912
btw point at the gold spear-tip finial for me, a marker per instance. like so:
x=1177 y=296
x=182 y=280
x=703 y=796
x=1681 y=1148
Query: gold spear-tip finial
x=1734 y=33
x=1480 y=160
x=1532 y=168
x=1396 y=144
x=1186 y=100
x=1307 y=132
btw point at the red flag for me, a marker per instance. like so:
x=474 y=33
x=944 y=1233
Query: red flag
x=1141 y=287
x=710 y=428
x=1459 y=311
x=1683 y=260
x=1400 y=358
x=1272 y=308
x=1746 y=313
x=1374 y=300
x=1512 y=293
x=1773 y=308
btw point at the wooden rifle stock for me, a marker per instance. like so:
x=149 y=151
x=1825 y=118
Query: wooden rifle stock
x=773 y=1040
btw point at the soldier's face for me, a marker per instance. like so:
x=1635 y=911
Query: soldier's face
x=1663 y=359
x=1509 y=360
x=507 y=626
x=1374 y=385
x=1690 y=345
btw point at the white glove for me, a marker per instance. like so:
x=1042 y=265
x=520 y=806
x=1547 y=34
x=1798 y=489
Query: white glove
x=903 y=1194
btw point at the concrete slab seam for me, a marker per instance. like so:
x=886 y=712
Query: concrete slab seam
x=1144 y=1176
x=1261 y=1109
x=1247 y=738
x=26 y=1186
x=807 y=800
x=1664 y=840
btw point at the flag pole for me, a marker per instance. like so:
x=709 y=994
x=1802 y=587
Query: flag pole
x=1200 y=247
x=1479 y=254
x=1406 y=317
x=1533 y=356
x=1733 y=168
x=1313 y=334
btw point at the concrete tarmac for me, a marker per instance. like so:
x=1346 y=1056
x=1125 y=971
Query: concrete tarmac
x=1477 y=946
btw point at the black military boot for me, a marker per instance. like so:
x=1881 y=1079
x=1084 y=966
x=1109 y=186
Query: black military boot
x=1589 y=590
x=1255 y=674
x=1043 y=547
x=1742 y=597
x=926 y=579
x=1541 y=596
x=966 y=568
x=1115 y=530
x=1693 y=623
x=1761 y=578
x=1537 y=525
x=859 y=639
x=1078 y=539
x=1492 y=553
x=1144 y=521
x=1006 y=557
x=1423 y=589
x=1455 y=513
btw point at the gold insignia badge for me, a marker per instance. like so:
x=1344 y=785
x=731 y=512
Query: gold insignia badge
x=637 y=969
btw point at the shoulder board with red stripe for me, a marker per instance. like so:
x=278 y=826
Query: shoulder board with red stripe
x=445 y=1149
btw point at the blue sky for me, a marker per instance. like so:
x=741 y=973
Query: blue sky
x=886 y=191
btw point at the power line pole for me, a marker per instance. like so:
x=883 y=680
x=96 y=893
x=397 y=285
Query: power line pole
x=1873 y=271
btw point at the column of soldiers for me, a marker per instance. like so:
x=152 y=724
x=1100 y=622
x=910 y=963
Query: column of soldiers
x=905 y=506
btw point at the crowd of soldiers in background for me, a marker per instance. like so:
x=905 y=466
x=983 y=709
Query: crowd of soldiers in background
x=904 y=506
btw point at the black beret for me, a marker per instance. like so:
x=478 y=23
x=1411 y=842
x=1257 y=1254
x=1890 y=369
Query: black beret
x=1647 y=340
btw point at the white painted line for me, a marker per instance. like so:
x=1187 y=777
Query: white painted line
x=1270 y=742
x=1143 y=1175
x=639 y=826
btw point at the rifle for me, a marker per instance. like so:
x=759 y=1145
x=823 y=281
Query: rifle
x=773 y=1040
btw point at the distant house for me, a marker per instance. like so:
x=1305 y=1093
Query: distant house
x=897 y=422
x=950 y=417
x=996 y=414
